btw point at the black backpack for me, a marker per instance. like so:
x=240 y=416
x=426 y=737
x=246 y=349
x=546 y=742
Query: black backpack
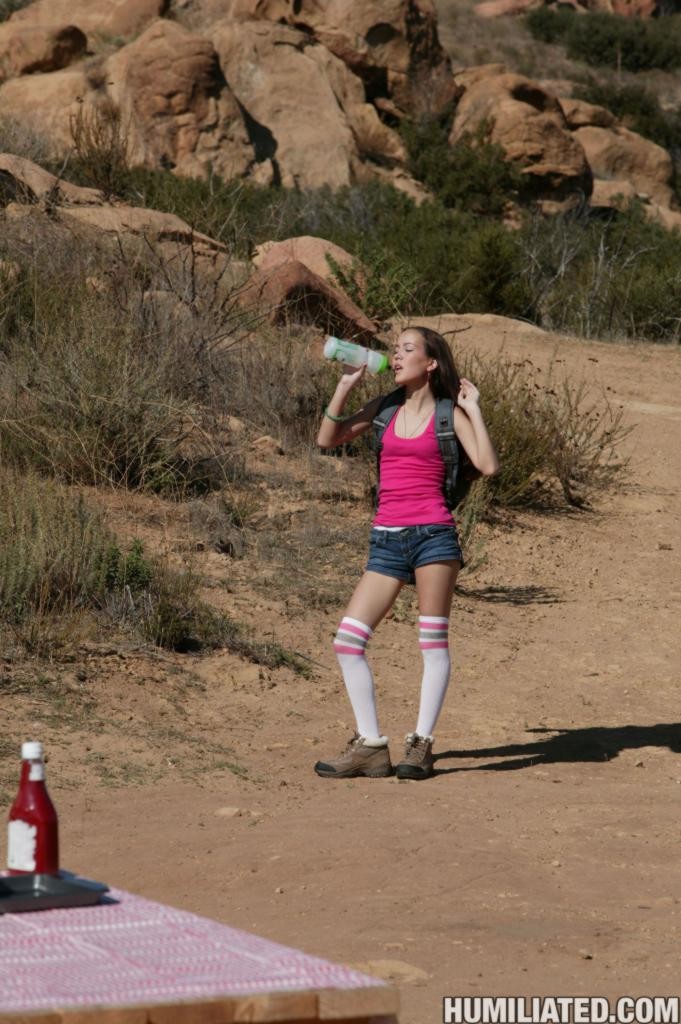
x=459 y=470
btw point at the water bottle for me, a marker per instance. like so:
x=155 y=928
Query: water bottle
x=349 y=354
x=33 y=840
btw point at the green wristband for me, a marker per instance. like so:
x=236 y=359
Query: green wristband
x=330 y=416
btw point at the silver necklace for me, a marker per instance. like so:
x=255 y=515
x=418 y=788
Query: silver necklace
x=408 y=434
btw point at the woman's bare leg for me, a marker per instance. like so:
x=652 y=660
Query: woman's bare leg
x=435 y=587
x=373 y=598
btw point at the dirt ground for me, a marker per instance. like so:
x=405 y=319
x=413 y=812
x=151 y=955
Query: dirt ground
x=542 y=858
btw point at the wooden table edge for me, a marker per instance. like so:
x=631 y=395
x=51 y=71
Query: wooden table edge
x=377 y=1004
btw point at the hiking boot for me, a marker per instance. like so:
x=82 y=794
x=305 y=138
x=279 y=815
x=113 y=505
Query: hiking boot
x=360 y=757
x=417 y=762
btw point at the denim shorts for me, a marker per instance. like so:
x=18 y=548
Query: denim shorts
x=397 y=553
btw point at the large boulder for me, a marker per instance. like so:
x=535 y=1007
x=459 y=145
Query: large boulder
x=23 y=181
x=528 y=123
x=104 y=18
x=617 y=153
x=466 y=77
x=579 y=114
x=45 y=105
x=164 y=232
x=177 y=109
x=294 y=106
x=392 y=45
x=612 y=195
x=306 y=249
x=499 y=8
x=291 y=292
x=180 y=258
x=622 y=8
x=25 y=49
x=373 y=138
x=618 y=195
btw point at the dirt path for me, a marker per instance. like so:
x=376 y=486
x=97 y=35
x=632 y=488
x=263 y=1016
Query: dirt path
x=544 y=856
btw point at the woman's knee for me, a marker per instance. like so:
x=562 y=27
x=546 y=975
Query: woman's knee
x=373 y=598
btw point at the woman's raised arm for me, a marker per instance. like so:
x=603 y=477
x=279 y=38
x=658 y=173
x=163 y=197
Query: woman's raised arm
x=335 y=429
x=471 y=430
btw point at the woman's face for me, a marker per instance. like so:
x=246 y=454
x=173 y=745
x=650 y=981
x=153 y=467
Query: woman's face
x=410 y=363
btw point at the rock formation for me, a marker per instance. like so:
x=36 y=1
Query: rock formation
x=530 y=125
x=25 y=49
x=618 y=154
x=290 y=291
x=176 y=108
x=391 y=45
x=108 y=19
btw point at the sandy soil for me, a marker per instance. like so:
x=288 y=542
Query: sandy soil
x=543 y=858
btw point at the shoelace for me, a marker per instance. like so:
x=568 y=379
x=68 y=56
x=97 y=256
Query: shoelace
x=415 y=745
x=350 y=744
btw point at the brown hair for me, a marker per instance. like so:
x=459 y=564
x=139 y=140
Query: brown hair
x=444 y=381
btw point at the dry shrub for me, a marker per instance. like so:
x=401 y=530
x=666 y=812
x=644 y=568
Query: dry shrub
x=53 y=548
x=63 y=574
x=90 y=401
x=108 y=356
x=275 y=380
x=552 y=434
x=100 y=145
x=54 y=551
x=19 y=139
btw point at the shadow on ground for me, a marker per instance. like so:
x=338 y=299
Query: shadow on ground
x=594 y=744
x=511 y=595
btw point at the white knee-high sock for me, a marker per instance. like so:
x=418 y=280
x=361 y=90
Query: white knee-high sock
x=434 y=644
x=349 y=645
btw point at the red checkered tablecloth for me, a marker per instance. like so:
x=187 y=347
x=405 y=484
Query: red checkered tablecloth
x=130 y=950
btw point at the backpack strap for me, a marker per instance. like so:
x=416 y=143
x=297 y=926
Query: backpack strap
x=387 y=409
x=449 y=447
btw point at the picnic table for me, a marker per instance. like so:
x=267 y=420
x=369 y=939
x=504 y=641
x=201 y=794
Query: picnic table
x=129 y=960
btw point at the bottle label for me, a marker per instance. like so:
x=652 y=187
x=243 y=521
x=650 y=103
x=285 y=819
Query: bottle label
x=36 y=773
x=21 y=845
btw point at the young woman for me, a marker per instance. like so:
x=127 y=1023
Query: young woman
x=413 y=540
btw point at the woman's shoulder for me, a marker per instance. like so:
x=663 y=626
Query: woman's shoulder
x=390 y=399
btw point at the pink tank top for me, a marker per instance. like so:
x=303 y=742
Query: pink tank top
x=411 y=480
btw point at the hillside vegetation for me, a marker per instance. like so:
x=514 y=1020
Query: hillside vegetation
x=127 y=366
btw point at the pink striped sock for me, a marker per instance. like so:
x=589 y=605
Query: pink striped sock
x=349 y=645
x=352 y=637
x=434 y=644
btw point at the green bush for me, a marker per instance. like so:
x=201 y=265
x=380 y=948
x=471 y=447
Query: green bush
x=608 y=40
x=549 y=24
x=472 y=175
x=378 y=283
x=617 y=278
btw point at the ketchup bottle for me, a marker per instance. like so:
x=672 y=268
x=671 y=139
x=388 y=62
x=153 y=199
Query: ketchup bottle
x=33 y=839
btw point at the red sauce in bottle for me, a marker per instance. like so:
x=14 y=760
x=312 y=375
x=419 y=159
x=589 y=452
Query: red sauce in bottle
x=33 y=837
